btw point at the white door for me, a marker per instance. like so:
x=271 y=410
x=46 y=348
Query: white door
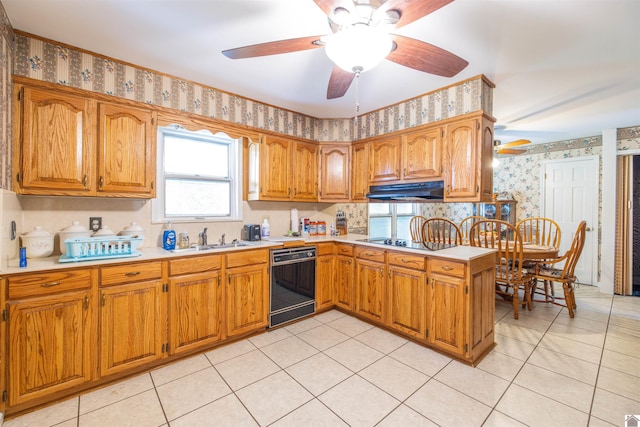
x=570 y=195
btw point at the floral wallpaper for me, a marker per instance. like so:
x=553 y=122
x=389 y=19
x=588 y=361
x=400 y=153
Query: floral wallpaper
x=44 y=60
x=6 y=115
x=629 y=138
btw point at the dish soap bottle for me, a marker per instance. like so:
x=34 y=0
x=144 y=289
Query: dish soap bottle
x=169 y=238
x=266 y=229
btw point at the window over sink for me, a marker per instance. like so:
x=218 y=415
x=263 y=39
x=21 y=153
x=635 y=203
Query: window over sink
x=391 y=219
x=198 y=176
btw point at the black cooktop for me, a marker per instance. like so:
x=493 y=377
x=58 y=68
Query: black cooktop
x=408 y=243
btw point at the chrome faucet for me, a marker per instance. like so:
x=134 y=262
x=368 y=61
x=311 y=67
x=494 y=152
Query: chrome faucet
x=222 y=239
x=203 y=237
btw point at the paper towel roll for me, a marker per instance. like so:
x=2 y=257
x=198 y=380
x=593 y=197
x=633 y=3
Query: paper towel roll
x=294 y=219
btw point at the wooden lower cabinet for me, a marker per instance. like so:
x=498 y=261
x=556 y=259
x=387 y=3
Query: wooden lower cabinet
x=370 y=286
x=447 y=313
x=49 y=345
x=344 y=273
x=325 y=277
x=406 y=301
x=196 y=304
x=132 y=326
x=247 y=292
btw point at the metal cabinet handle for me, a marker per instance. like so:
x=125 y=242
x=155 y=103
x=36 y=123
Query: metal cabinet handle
x=447 y=268
x=50 y=284
x=132 y=273
x=84 y=180
x=101 y=181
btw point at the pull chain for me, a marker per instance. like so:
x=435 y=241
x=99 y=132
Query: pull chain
x=357 y=71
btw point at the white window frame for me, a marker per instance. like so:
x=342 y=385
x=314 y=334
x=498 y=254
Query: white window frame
x=234 y=178
x=393 y=214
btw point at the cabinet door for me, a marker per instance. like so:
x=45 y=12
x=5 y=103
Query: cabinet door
x=422 y=155
x=384 y=160
x=407 y=299
x=133 y=326
x=275 y=172
x=334 y=173
x=195 y=314
x=447 y=313
x=57 y=143
x=324 y=281
x=462 y=163
x=247 y=296
x=360 y=171
x=127 y=157
x=370 y=289
x=49 y=345
x=344 y=282
x=305 y=171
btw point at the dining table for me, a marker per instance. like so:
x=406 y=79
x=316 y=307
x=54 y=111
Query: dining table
x=534 y=252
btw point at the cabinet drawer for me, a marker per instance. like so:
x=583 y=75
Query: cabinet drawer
x=346 y=250
x=370 y=254
x=135 y=272
x=406 y=260
x=451 y=268
x=48 y=283
x=195 y=264
x=240 y=258
x=325 y=249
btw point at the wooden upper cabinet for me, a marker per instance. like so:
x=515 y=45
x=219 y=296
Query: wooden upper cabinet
x=384 y=160
x=275 y=164
x=422 y=154
x=127 y=157
x=334 y=173
x=468 y=156
x=305 y=171
x=359 y=171
x=55 y=142
x=68 y=143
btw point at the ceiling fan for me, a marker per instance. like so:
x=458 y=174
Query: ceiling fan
x=506 y=148
x=361 y=27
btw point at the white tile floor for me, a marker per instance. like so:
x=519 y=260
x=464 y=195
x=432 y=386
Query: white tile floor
x=335 y=370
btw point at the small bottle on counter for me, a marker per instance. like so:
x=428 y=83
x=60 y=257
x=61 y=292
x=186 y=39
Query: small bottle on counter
x=23 y=257
x=169 y=238
x=322 y=228
x=183 y=243
x=266 y=229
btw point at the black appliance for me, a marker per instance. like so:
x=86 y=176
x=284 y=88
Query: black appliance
x=250 y=232
x=408 y=243
x=293 y=284
x=432 y=191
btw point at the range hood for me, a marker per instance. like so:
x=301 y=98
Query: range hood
x=432 y=191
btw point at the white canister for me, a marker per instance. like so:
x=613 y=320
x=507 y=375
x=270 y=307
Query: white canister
x=294 y=220
x=74 y=231
x=133 y=230
x=39 y=243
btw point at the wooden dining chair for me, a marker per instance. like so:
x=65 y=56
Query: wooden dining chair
x=540 y=231
x=511 y=277
x=415 y=227
x=441 y=230
x=465 y=225
x=548 y=274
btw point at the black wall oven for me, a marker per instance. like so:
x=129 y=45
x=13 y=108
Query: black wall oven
x=293 y=284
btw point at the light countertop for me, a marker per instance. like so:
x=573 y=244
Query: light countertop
x=461 y=253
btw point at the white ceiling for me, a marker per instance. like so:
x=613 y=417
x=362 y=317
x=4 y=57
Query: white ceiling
x=563 y=69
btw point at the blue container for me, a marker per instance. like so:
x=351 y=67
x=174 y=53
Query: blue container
x=169 y=240
x=23 y=257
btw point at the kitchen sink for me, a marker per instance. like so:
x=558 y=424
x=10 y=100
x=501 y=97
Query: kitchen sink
x=200 y=248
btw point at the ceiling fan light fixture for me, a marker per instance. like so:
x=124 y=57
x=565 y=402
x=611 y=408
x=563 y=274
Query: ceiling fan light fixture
x=358 y=46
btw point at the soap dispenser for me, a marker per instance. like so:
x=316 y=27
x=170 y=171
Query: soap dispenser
x=266 y=229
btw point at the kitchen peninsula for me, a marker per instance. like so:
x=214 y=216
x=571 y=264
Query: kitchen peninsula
x=75 y=326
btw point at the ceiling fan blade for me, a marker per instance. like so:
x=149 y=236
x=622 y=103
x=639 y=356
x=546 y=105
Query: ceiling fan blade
x=339 y=82
x=329 y=6
x=273 y=48
x=425 y=57
x=510 y=151
x=515 y=143
x=411 y=10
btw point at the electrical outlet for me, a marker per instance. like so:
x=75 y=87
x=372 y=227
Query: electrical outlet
x=95 y=223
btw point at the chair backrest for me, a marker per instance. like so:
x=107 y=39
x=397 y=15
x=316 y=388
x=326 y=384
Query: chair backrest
x=415 y=227
x=441 y=230
x=504 y=237
x=540 y=231
x=573 y=254
x=465 y=226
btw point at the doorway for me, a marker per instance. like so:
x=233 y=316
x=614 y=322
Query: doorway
x=569 y=195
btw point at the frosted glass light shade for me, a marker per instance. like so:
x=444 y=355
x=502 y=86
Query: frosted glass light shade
x=358 y=46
